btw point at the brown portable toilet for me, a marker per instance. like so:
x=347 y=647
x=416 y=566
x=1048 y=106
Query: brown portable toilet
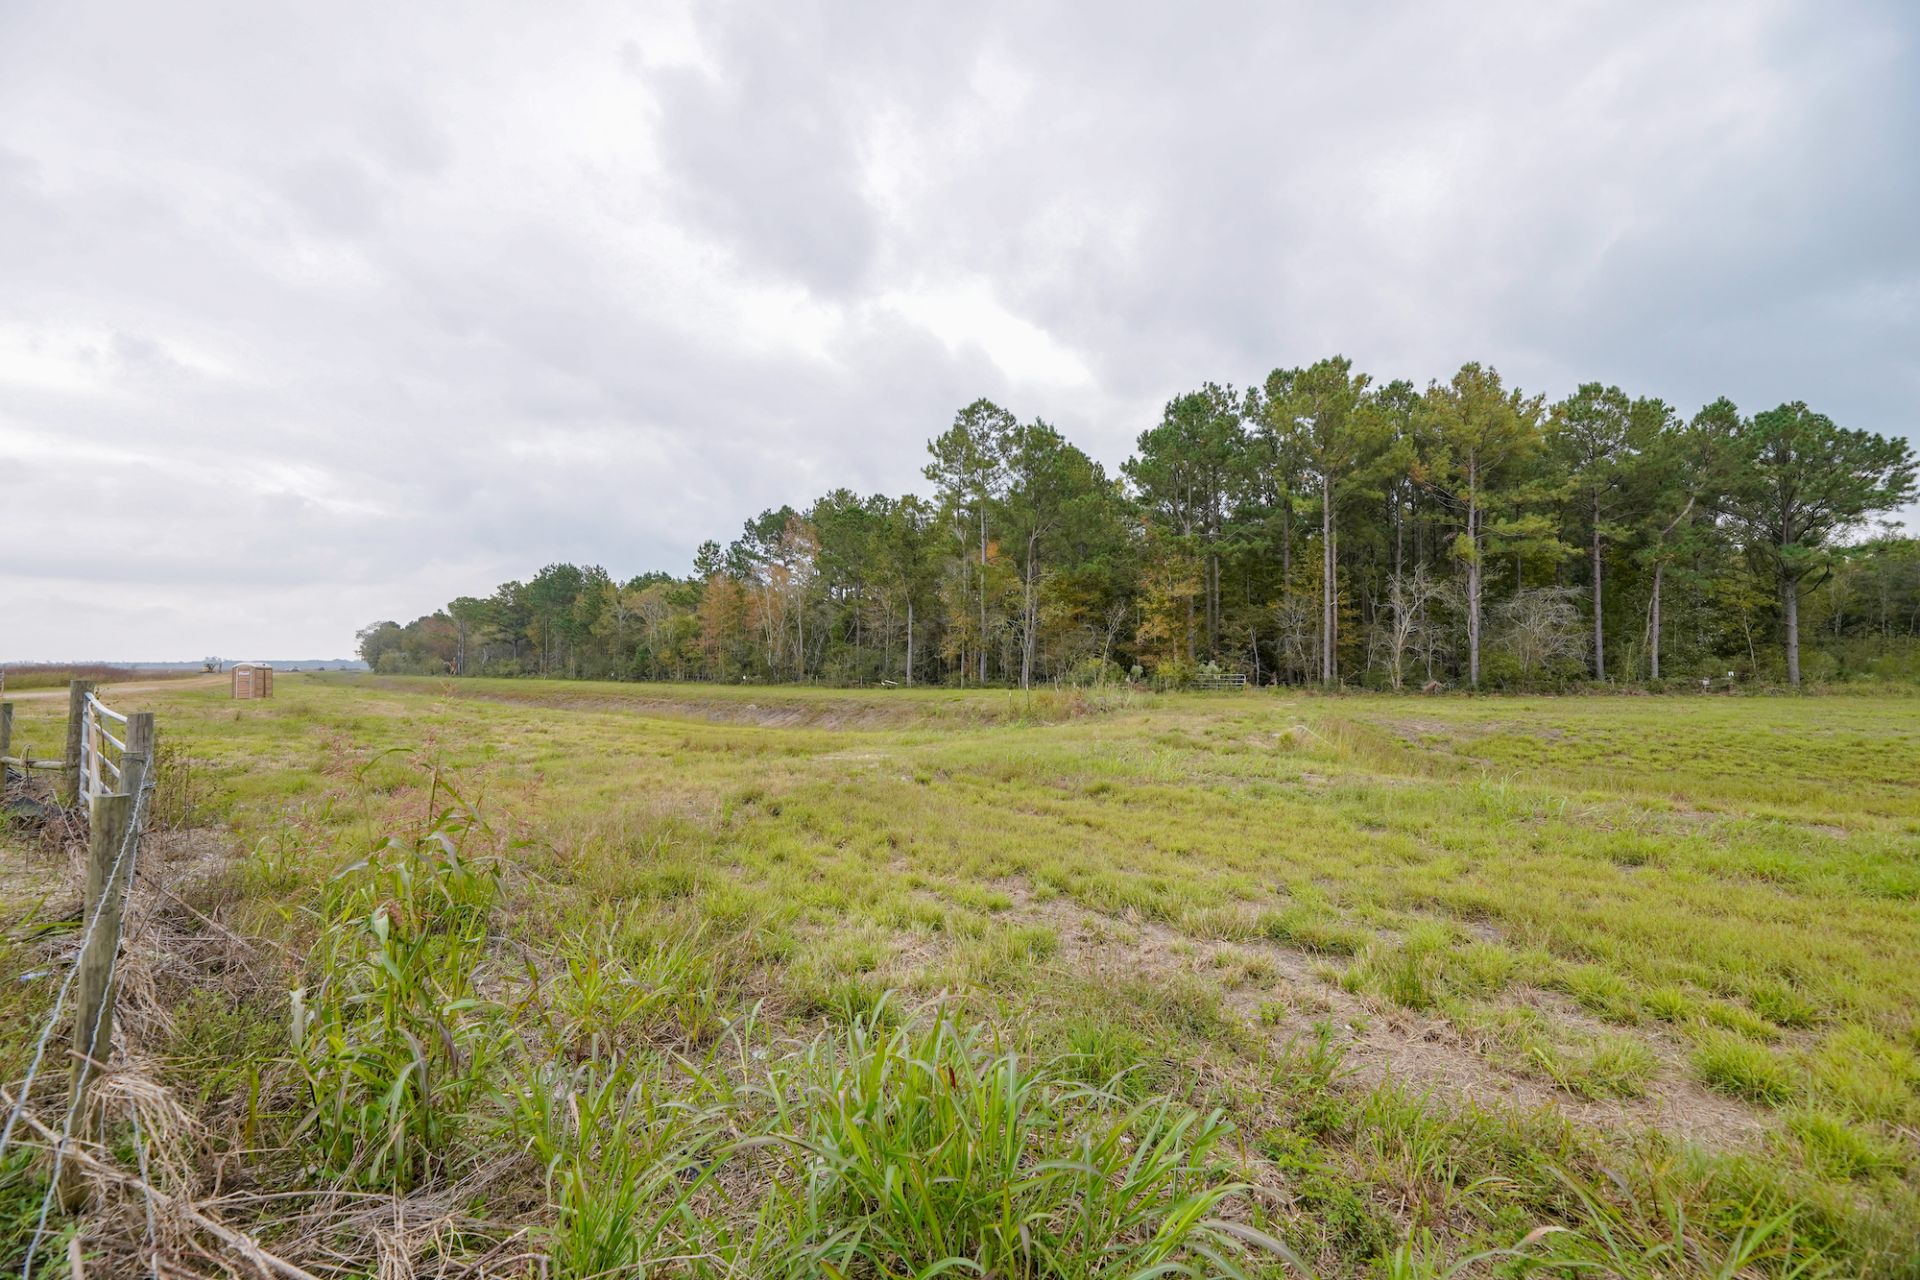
x=252 y=680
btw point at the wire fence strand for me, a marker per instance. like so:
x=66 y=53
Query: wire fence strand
x=127 y=845
x=93 y=767
x=129 y=856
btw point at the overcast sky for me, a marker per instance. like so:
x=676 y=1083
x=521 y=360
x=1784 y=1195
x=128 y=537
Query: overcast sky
x=313 y=314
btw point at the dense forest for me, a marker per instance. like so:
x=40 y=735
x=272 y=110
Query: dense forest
x=1317 y=528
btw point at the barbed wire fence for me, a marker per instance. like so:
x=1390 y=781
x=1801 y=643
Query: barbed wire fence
x=112 y=778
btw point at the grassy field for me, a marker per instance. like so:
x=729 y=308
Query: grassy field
x=57 y=675
x=529 y=978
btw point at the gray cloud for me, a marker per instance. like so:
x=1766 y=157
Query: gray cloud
x=314 y=316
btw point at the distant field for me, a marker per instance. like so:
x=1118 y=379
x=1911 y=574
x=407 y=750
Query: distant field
x=806 y=982
x=58 y=675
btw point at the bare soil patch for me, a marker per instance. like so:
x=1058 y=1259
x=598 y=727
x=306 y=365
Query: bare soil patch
x=1383 y=1040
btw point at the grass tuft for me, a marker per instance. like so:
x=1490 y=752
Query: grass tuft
x=1311 y=929
x=1744 y=1069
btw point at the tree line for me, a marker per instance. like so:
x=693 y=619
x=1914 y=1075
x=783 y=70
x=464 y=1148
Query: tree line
x=1318 y=527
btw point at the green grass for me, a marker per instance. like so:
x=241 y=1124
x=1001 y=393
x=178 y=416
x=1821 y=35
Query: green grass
x=718 y=973
x=1744 y=1069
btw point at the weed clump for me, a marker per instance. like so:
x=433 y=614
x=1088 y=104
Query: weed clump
x=1840 y=1149
x=1407 y=973
x=913 y=1151
x=394 y=1039
x=627 y=1148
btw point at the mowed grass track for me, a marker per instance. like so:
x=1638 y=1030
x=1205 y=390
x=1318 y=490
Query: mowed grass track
x=1645 y=969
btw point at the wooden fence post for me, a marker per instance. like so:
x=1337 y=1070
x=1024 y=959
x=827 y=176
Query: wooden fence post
x=109 y=833
x=136 y=766
x=6 y=728
x=137 y=760
x=77 y=692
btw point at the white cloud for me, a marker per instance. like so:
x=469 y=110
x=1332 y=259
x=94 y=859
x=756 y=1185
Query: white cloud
x=969 y=315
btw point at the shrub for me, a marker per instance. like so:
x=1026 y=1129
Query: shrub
x=1174 y=673
x=1092 y=671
